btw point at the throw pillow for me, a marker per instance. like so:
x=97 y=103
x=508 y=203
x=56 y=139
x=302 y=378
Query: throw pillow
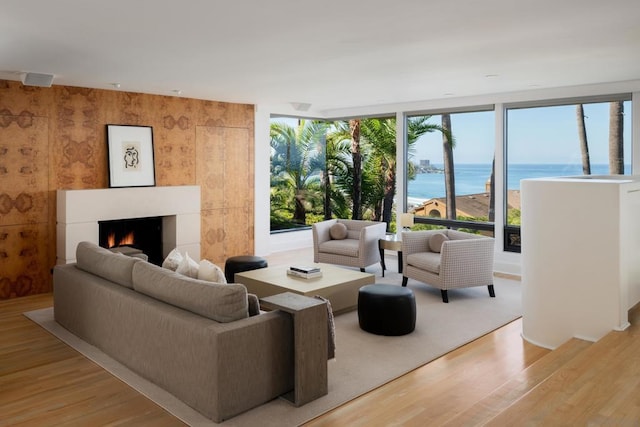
x=188 y=267
x=172 y=261
x=210 y=272
x=254 y=304
x=436 y=240
x=338 y=231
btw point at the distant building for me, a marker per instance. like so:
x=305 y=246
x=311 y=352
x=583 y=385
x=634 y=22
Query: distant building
x=425 y=163
x=469 y=205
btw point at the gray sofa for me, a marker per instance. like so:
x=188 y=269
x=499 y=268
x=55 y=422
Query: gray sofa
x=194 y=339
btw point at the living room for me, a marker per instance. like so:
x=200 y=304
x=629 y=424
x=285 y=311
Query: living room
x=216 y=137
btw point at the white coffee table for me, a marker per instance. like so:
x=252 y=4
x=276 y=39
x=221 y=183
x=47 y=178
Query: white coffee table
x=339 y=285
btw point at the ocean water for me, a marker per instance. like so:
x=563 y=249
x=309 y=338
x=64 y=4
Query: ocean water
x=471 y=178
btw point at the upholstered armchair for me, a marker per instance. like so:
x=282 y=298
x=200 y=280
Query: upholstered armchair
x=348 y=242
x=448 y=259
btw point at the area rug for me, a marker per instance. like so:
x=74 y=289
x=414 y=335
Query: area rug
x=363 y=361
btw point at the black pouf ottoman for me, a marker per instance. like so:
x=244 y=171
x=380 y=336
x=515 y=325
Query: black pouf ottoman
x=386 y=309
x=238 y=264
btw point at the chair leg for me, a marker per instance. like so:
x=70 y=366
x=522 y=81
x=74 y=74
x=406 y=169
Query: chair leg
x=404 y=280
x=445 y=295
x=492 y=292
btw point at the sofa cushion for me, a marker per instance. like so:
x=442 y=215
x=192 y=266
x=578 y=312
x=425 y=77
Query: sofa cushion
x=338 y=231
x=222 y=303
x=429 y=261
x=210 y=272
x=97 y=260
x=188 y=267
x=436 y=240
x=172 y=261
x=348 y=247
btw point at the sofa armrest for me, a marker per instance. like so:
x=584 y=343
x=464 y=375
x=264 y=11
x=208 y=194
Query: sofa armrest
x=468 y=260
x=254 y=361
x=320 y=233
x=369 y=237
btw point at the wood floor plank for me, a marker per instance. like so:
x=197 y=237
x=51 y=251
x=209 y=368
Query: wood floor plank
x=519 y=385
x=45 y=382
x=437 y=392
x=599 y=385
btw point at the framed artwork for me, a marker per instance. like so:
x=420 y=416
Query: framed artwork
x=131 y=162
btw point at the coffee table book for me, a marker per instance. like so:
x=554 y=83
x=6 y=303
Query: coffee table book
x=304 y=269
x=311 y=275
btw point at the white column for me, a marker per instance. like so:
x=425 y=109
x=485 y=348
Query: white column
x=401 y=165
x=262 y=182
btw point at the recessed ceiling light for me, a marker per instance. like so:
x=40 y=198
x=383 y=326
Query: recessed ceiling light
x=116 y=85
x=448 y=94
x=491 y=76
x=177 y=91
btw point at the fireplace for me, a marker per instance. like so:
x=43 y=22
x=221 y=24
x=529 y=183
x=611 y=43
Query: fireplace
x=144 y=234
x=79 y=213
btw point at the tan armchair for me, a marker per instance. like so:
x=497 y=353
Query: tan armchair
x=464 y=260
x=358 y=248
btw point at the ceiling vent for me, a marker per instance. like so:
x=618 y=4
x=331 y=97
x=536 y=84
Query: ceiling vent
x=300 y=106
x=37 y=79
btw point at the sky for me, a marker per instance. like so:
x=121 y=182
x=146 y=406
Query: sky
x=535 y=135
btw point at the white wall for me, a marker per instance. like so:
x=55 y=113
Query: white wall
x=506 y=262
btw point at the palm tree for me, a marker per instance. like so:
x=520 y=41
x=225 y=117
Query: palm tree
x=616 y=153
x=584 y=145
x=491 y=217
x=296 y=162
x=380 y=134
x=356 y=155
x=449 y=173
x=337 y=164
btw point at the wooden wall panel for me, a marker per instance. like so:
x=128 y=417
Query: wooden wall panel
x=77 y=154
x=214 y=236
x=24 y=263
x=175 y=163
x=241 y=241
x=55 y=138
x=210 y=165
x=24 y=168
x=24 y=204
x=225 y=174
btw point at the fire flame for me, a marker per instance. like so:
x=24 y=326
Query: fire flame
x=126 y=240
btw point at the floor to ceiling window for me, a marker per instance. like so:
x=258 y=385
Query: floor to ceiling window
x=331 y=169
x=589 y=136
x=450 y=168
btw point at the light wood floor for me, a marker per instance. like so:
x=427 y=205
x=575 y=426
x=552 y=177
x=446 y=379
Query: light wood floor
x=497 y=380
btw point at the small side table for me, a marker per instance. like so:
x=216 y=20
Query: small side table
x=310 y=344
x=393 y=243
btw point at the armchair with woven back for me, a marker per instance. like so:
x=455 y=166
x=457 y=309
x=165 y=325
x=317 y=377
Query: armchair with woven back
x=448 y=259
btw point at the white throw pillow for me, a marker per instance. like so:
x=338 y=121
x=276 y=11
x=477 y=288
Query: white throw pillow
x=188 y=267
x=210 y=272
x=172 y=261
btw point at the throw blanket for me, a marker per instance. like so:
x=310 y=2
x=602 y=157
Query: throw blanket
x=331 y=342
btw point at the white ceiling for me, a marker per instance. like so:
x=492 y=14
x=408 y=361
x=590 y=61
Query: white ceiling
x=332 y=54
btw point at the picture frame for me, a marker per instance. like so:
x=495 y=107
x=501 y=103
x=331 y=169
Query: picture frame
x=130 y=156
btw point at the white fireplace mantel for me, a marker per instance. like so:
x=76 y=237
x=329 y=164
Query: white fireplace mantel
x=78 y=213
